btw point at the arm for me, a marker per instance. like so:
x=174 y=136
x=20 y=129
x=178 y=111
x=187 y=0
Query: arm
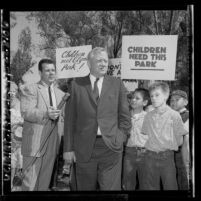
x=185 y=152
x=185 y=148
x=179 y=129
x=124 y=116
x=29 y=105
x=145 y=128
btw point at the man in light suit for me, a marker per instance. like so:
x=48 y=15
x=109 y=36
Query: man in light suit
x=38 y=105
x=97 y=123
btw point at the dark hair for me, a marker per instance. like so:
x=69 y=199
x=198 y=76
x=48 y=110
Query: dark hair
x=45 y=61
x=145 y=95
x=144 y=92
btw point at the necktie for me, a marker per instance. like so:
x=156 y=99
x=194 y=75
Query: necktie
x=95 y=91
x=50 y=96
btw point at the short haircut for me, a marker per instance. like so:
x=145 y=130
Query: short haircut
x=44 y=61
x=161 y=85
x=144 y=92
x=145 y=95
x=180 y=93
x=95 y=51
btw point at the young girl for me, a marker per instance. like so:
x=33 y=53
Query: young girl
x=134 y=150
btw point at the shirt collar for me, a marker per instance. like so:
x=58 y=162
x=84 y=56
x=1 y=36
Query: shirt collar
x=162 y=110
x=45 y=85
x=93 y=78
x=182 y=110
x=139 y=115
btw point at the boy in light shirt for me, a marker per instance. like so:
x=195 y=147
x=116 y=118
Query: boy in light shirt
x=178 y=102
x=134 y=150
x=165 y=131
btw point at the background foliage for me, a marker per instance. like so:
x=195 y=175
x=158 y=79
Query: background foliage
x=105 y=28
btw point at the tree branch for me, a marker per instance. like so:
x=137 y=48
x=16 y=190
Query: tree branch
x=140 y=20
x=118 y=39
x=54 y=21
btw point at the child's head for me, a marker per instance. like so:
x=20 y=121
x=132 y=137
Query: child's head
x=139 y=98
x=159 y=93
x=178 y=100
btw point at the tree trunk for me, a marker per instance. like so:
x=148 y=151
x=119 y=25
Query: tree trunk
x=140 y=16
x=155 y=21
x=170 y=23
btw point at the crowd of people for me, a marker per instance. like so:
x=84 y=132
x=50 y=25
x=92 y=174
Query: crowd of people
x=117 y=141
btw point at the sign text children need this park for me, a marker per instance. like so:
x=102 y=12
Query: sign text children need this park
x=72 y=61
x=149 y=57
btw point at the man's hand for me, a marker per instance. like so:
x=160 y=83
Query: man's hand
x=69 y=157
x=53 y=113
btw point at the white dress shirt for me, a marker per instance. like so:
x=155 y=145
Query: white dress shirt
x=99 y=85
x=54 y=102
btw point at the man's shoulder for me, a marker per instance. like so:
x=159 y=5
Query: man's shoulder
x=80 y=79
x=30 y=85
x=113 y=81
x=112 y=78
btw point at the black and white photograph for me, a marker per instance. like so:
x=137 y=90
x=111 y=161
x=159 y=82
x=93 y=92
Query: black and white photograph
x=98 y=102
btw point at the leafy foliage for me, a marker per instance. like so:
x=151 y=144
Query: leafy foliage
x=22 y=59
x=105 y=28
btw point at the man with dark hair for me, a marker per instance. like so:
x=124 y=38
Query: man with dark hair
x=96 y=125
x=39 y=103
x=44 y=61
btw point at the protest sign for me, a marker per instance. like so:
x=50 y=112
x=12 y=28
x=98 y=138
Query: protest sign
x=114 y=67
x=149 y=57
x=72 y=61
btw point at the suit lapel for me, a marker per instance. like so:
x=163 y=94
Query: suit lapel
x=105 y=86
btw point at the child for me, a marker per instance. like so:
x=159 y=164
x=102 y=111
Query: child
x=178 y=102
x=134 y=150
x=165 y=131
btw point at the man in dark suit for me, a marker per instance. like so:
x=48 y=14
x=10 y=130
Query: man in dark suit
x=97 y=123
x=39 y=103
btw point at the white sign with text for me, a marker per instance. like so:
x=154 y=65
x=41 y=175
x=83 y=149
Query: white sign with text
x=149 y=57
x=72 y=61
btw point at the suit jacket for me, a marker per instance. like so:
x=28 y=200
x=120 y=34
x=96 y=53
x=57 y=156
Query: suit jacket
x=83 y=115
x=34 y=105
